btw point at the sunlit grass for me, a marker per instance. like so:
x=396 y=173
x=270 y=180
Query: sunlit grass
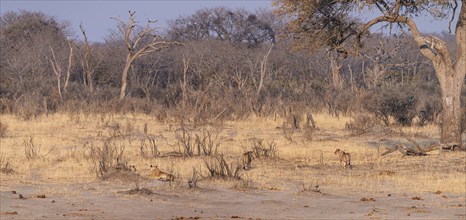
x=62 y=153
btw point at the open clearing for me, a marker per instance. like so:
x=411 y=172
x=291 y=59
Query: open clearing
x=304 y=181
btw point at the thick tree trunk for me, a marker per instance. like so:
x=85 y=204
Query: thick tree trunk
x=451 y=78
x=451 y=101
x=450 y=75
x=124 y=76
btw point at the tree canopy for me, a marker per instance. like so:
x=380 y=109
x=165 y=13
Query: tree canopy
x=330 y=23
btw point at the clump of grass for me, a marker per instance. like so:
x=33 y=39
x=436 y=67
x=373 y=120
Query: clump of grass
x=3 y=129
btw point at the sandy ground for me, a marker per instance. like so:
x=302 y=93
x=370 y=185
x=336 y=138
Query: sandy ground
x=117 y=199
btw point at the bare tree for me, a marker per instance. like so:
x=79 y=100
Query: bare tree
x=25 y=37
x=263 y=69
x=135 y=51
x=70 y=63
x=89 y=66
x=184 y=81
x=57 y=69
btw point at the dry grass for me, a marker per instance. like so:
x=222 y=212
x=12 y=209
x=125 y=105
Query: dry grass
x=300 y=162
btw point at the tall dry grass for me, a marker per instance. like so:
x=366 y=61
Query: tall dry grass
x=300 y=161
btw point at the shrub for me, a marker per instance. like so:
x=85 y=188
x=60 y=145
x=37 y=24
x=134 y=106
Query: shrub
x=263 y=150
x=360 y=124
x=219 y=168
x=149 y=149
x=387 y=103
x=106 y=158
x=204 y=143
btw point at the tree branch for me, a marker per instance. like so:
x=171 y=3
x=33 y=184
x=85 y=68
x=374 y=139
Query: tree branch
x=431 y=47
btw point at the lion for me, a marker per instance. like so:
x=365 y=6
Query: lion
x=160 y=175
x=246 y=160
x=345 y=158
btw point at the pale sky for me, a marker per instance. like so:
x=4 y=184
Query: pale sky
x=95 y=15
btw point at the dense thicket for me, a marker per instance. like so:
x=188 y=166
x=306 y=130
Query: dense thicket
x=227 y=67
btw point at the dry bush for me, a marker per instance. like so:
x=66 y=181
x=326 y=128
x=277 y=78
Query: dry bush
x=3 y=129
x=207 y=142
x=219 y=168
x=204 y=143
x=361 y=124
x=106 y=158
x=263 y=150
x=186 y=143
x=30 y=106
x=6 y=106
x=31 y=150
x=403 y=104
x=148 y=148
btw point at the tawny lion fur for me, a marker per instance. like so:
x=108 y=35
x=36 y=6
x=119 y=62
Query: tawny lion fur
x=246 y=160
x=160 y=175
x=345 y=158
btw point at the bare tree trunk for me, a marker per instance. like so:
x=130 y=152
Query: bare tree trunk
x=336 y=77
x=351 y=78
x=124 y=76
x=185 y=81
x=56 y=66
x=70 y=62
x=90 y=81
x=263 y=70
x=132 y=42
x=88 y=69
x=84 y=75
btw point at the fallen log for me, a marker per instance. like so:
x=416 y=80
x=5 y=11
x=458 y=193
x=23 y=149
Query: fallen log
x=408 y=150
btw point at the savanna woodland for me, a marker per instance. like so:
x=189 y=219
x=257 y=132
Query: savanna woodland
x=237 y=102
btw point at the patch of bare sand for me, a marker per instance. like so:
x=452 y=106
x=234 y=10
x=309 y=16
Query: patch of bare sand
x=105 y=201
x=280 y=198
